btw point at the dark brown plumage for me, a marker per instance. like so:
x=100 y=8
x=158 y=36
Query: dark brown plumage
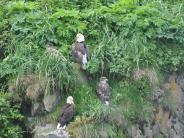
x=103 y=90
x=67 y=113
x=78 y=50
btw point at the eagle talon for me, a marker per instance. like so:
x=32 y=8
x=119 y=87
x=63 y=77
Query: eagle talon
x=60 y=128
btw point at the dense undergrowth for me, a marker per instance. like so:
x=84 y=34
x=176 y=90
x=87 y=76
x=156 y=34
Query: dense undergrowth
x=10 y=117
x=122 y=35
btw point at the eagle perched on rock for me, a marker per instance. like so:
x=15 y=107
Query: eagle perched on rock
x=80 y=51
x=67 y=113
x=103 y=90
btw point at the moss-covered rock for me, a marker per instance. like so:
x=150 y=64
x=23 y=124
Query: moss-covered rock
x=34 y=90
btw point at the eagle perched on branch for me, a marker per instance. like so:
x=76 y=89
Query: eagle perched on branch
x=103 y=90
x=66 y=114
x=80 y=51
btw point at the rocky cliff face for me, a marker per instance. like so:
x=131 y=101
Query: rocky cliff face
x=49 y=131
x=168 y=111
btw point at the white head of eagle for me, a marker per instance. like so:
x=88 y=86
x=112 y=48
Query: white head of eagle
x=69 y=100
x=80 y=38
x=103 y=80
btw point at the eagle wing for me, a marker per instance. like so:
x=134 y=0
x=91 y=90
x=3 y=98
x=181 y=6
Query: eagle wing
x=63 y=109
x=79 y=47
x=67 y=113
x=98 y=89
x=76 y=53
x=107 y=92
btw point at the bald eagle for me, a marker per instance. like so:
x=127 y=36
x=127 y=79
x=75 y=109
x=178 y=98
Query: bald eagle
x=66 y=114
x=80 y=51
x=103 y=90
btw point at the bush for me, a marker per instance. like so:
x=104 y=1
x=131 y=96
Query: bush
x=137 y=36
x=8 y=118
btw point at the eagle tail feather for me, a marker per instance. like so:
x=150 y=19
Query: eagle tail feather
x=106 y=103
x=59 y=127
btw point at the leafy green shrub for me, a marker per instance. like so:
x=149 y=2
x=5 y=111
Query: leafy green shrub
x=9 y=115
x=134 y=36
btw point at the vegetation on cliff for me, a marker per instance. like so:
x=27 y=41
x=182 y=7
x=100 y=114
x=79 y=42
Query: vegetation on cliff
x=10 y=115
x=123 y=35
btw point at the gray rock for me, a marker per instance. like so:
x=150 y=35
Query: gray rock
x=147 y=130
x=47 y=104
x=175 y=130
x=180 y=81
x=51 y=100
x=135 y=132
x=155 y=130
x=165 y=123
x=49 y=131
x=103 y=134
x=169 y=119
x=172 y=77
x=157 y=96
x=37 y=109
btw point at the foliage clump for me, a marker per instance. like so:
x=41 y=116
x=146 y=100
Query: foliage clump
x=10 y=115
